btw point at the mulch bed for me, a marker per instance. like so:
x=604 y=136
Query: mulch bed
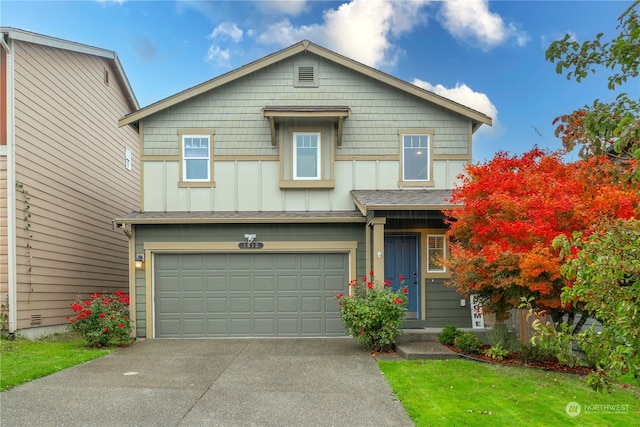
x=548 y=364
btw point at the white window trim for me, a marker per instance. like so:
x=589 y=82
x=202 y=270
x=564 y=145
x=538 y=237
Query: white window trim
x=318 y=157
x=184 y=158
x=442 y=269
x=128 y=159
x=428 y=153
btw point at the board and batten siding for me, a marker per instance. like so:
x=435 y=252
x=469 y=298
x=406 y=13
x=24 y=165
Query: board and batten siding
x=214 y=233
x=252 y=185
x=70 y=159
x=368 y=158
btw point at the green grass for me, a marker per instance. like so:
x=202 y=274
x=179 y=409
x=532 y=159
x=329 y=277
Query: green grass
x=465 y=393
x=22 y=360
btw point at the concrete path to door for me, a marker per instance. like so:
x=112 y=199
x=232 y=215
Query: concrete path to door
x=213 y=382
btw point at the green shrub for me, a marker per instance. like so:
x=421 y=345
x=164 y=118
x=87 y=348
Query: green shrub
x=102 y=319
x=530 y=353
x=448 y=334
x=496 y=352
x=505 y=338
x=373 y=313
x=468 y=343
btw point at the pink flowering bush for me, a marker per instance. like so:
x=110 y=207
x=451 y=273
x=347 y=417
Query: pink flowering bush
x=373 y=313
x=102 y=319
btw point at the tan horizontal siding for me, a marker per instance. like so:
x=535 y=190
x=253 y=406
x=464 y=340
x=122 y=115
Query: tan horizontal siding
x=70 y=157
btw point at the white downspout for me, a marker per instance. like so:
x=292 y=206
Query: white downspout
x=12 y=286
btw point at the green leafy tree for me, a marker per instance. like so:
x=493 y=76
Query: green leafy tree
x=602 y=126
x=604 y=269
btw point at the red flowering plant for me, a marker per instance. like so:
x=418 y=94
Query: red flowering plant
x=102 y=319
x=373 y=313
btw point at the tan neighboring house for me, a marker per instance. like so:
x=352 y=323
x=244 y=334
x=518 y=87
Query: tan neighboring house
x=66 y=170
x=267 y=189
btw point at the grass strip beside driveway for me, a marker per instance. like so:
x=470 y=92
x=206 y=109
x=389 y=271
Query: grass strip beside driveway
x=22 y=360
x=465 y=393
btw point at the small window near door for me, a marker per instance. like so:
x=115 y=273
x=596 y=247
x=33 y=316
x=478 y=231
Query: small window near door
x=306 y=155
x=435 y=253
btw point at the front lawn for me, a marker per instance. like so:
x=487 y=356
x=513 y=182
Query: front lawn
x=465 y=393
x=22 y=360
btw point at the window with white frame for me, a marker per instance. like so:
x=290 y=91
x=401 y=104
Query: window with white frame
x=127 y=158
x=196 y=155
x=306 y=155
x=435 y=253
x=415 y=157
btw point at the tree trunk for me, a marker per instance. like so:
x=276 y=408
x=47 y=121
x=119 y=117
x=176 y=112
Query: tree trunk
x=580 y=324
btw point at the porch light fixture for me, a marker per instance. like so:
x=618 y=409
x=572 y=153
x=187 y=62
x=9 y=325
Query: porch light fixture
x=139 y=262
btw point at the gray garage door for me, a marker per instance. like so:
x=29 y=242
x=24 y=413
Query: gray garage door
x=254 y=294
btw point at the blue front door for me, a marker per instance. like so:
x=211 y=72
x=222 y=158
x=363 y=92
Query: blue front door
x=401 y=258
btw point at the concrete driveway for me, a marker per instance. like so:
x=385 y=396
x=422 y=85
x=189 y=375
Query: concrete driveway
x=209 y=382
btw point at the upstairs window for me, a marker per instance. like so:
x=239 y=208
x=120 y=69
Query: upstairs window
x=306 y=155
x=415 y=158
x=196 y=156
x=435 y=253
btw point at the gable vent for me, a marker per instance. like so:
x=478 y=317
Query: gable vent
x=306 y=74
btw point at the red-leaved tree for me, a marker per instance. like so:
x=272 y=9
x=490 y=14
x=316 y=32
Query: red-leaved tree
x=510 y=210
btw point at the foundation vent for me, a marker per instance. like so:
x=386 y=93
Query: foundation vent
x=36 y=319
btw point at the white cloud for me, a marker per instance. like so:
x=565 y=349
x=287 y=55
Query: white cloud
x=361 y=29
x=463 y=94
x=215 y=54
x=227 y=30
x=280 y=7
x=472 y=21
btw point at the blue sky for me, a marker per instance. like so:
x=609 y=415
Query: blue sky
x=488 y=55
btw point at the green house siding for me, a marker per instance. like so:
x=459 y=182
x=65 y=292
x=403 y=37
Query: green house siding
x=181 y=233
x=234 y=111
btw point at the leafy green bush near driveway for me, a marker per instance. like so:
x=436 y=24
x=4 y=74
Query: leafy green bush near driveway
x=373 y=313
x=102 y=319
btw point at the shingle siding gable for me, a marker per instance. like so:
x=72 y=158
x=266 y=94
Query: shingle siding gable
x=234 y=112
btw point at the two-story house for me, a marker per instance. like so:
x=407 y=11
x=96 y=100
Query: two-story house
x=267 y=189
x=66 y=170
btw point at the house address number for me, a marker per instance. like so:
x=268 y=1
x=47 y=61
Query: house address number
x=252 y=245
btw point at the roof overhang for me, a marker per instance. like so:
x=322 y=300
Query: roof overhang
x=275 y=113
x=39 y=39
x=477 y=118
x=401 y=200
x=266 y=217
